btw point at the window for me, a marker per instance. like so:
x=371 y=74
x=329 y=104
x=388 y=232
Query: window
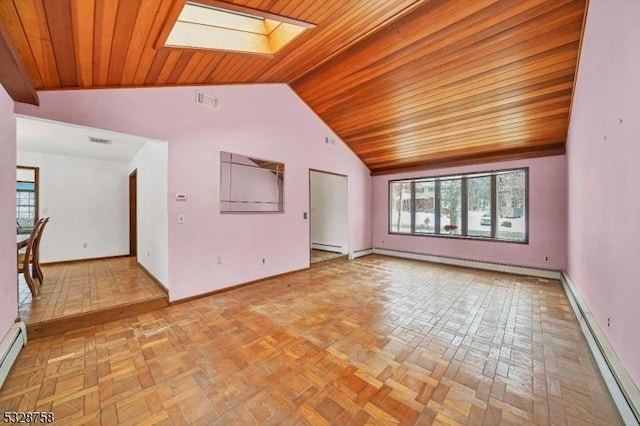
x=491 y=205
x=425 y=207
x=233 y=28
x=450 y=206
x=479 y=206
x=26 y=199
x=400 y=207
x=511 y=206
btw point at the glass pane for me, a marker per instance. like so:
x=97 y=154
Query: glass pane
x=400 y=207
x=425 y=205
x=450 y=206
x=25 y=186
x=511 y=206
x=479 y=206
x=25 y=175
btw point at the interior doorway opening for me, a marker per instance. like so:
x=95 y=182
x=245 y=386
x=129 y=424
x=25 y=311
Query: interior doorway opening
x=328 y=218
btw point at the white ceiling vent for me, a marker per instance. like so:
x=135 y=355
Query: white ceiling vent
x=207 y=100
x=100 y=140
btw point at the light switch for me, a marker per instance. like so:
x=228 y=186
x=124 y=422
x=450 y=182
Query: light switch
x=181 y=218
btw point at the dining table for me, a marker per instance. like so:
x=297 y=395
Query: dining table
x=22 y=240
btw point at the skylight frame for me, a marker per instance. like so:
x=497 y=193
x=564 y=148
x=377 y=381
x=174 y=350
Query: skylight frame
x=186 y=31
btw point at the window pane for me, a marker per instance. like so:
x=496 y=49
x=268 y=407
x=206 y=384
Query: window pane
x=450 y=204
x=511 y=206
x=479 y=206
x=425 y=205
x=400 y=207
x=25 y=186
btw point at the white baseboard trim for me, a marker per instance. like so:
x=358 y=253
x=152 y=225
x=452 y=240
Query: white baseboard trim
x=498 y=267
x=624 y=392
x=328 y=247
x=10 y=347
x=359 y=253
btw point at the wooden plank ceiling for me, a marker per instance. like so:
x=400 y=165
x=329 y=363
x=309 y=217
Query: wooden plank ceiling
x=405 y=83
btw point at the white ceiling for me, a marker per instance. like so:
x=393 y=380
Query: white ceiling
x=54 y=137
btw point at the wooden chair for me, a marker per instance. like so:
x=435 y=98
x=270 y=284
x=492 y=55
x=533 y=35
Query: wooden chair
x=36 y=270
x=25 y=259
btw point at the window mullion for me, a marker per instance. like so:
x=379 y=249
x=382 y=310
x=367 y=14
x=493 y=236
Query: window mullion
x=436 y=221
x=413 y=206
x=494 y=206
x=463 y=208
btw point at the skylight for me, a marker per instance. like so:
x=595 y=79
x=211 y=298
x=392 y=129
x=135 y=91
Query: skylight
x=240 y=30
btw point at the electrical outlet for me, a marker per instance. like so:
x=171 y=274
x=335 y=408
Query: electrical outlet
x=264 y=261
x=181 y=218
x=546 y=258
x=84 y=245
x=609 y=322
x=148 y=254
x=219 y=260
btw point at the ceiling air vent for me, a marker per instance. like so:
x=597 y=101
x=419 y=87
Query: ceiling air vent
x=100 y=140
x=207 y=100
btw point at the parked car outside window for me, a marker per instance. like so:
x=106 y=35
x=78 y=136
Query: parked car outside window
x=485 y=219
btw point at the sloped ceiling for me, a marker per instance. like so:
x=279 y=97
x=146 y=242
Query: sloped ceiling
x=406 y=84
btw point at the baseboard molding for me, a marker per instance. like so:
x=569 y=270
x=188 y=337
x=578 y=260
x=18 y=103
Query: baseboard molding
x=359 y=253
x=328 y=247
x=233 y=287
x=153 y=277
x=477 y=264
x=66 y=262
x=624 y=392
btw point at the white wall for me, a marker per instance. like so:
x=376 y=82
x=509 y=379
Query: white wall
x=152 y=216
x=87 y=201
x=329 y=220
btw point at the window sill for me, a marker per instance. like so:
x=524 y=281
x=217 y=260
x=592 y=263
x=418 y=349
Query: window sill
x=459 y=237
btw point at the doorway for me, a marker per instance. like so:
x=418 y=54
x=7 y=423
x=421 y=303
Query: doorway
x=133 y=213
x=328 y=218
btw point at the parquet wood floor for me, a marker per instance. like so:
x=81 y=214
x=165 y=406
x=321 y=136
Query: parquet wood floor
x=80 y=287
x=375 y=341
x=322 y=255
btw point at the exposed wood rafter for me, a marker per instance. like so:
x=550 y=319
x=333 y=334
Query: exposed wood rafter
x=13 y=76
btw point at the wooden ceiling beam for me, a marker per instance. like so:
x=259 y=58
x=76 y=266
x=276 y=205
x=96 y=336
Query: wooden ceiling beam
x=13 y=75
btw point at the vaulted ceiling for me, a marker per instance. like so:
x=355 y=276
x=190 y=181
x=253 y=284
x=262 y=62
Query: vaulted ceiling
x=405 y=83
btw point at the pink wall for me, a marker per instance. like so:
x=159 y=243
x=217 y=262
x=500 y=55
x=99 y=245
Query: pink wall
x=8 y=289
x=603 y=175
x=265 y=121
x=547 y=219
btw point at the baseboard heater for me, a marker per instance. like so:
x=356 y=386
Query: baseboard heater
x=327 y=247
x=624 y=392
x=469 y=263
x=359 y=253
x=10 y=347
